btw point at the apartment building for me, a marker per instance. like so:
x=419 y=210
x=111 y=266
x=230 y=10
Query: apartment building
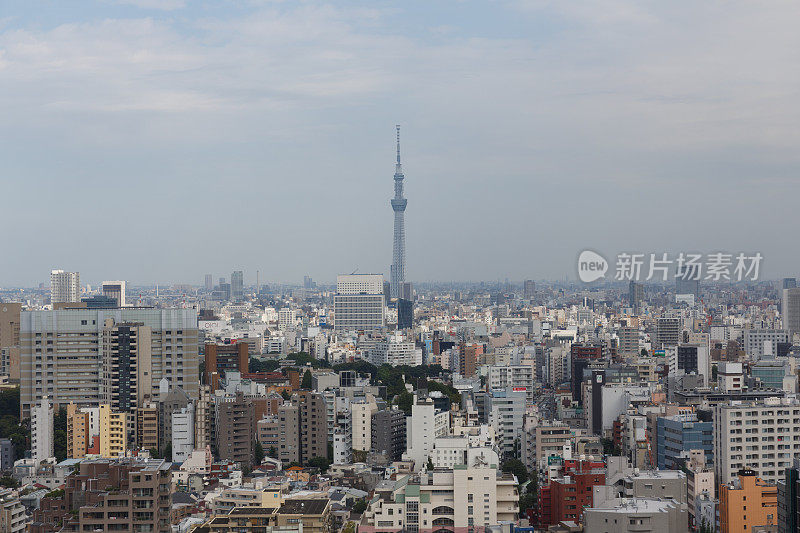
x=235 y=422
x=117 y=356
x=761 y=436
x=747 y=501
x=520 y=378
x=454 y=499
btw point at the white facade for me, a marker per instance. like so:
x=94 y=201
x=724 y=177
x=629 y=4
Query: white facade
x=182 y=433
x=42 y=430
x=359 y=284
x=517 y=377
x=395 y=351
x=362 y=422
x=286 y=318
x=422 y=428
x=761 y=342
x=506 y=416
x=65 y=286
x=341 y=448
x=763 y=436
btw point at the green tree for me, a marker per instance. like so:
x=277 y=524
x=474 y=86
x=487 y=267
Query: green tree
x=307 y=382
x=359 y=506
x=8 y=482
x=258 y=453
x=273 y=452
x=11 y=427
x=516 y=467
x=320 y=462
x=60 y=434
x=154 y=453
x=405 y=401
x=270 y=365
x=168 y=452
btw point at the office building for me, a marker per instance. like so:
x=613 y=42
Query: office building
x=115 y=356
x=628 y=342
x=677 y=435
x=691 y=359
x=760 y=436
x=41 y=414
x=209 y=282
x=637 y=515
x=789 y=499
x=760 y=343
x=7 y=455
x=399 y=203
x=235 y=423
x=221 y=358
x=668 y=331
x=237 y=285
x=359 y=303
x=746 y=502
x=790 y=310
x=395 y=350
x=115 y=290
x=405 y=314
x=361 y=413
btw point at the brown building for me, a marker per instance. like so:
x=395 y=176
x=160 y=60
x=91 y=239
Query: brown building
x=468 y=362
x=220 y=358
x=147 y=426
x=110 y=495
x=236 y=430
x=9 y=339
x=303 y=428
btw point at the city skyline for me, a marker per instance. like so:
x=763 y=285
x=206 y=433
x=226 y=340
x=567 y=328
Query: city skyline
x=527 y=156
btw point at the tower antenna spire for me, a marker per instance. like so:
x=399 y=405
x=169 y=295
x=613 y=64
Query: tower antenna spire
x=398 y=143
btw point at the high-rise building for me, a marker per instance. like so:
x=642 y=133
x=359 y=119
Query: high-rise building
x=41 y=430
x=182 y=433
x=529 y=289
x=789 y=499
x=65 y=287
x=790 y=310
x=12 y=513
x=9 y=339
x=773 y=429
x=677 y=435
x=237 y=285
x=687 y=281
x=113 y=432
x=668 y=331
x=359 y=303
x=390 y=438
x=236 y=426
x=115 y=356
x=405 y=314
x=398 y=271
x=209 y=282
x=789 y=283
x=303 y=427
x=628 y=342
x=635 y=295
x=115 y=290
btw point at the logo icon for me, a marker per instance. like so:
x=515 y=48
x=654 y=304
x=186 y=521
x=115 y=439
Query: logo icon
x=591 y=266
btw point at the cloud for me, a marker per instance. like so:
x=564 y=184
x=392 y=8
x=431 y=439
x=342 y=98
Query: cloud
x=529 y=114
x=164 y=5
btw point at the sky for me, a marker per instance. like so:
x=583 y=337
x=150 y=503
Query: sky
x=160 y=140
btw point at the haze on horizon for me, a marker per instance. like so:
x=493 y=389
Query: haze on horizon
x=156 y=141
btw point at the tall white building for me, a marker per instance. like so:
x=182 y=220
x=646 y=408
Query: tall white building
x=362 y=422
x=65 y=286
x=506 y=416
x=359 y=303
x=286 y=318
x=422 y=428
x=763 y=436
x=182 y=433
x=115 y=290
x=517 y=377
x=42 y=430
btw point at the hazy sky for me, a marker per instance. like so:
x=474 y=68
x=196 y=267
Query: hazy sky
x=157 y=140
